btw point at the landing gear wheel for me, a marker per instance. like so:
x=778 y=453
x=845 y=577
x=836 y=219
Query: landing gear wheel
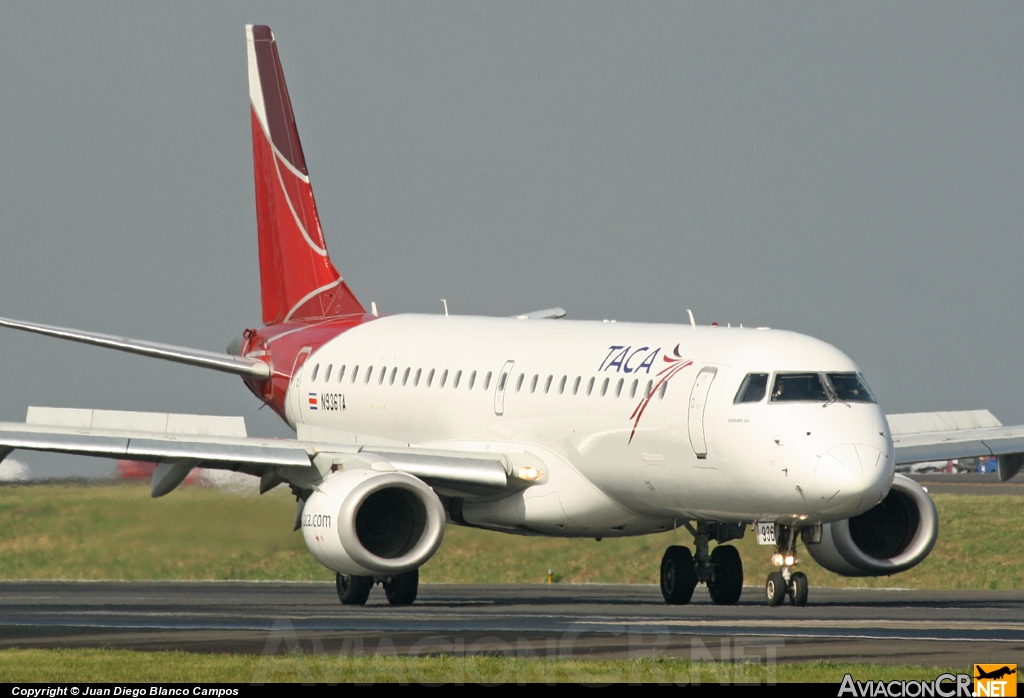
x=353 y=590
x=401 y=588
x=775 y=588
x=678 y=575
x=798 y=589
x=727 y=584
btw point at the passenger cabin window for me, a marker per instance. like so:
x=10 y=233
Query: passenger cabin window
x=576 y=385
x=590 y=386
x=519 y=383
x=547 y=384
x=501 y=382
x=798 y=387
x=850 y=387
x=533 y=383
x=662 y=390
x=444 y=378
x=487 y=380
x=647 y=390
x=752 y=389
x=604 y=387
x=430 y=378
x=472 y=380
x=316 y=369
x=405 y=376
x=416 y=380
x=383 y=372
x=618 y=387
x=632 y=388
x=561 y=385
x=391 y=379
x=327 y=376
x=369 y=375
x=355 y=374
x=341 y=373
x=458 y=377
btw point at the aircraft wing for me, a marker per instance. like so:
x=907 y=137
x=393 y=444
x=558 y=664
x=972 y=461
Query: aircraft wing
x=180 y=442
x=935 y=436
x=239 y=365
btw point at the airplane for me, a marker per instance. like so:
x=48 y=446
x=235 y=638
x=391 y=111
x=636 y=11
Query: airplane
x=532 y=425
x=996 y=673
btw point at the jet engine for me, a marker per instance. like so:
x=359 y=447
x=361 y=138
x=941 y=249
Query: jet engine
x=372 y=522
x=891 y=537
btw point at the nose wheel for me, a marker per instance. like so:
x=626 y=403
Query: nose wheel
x=785 y=582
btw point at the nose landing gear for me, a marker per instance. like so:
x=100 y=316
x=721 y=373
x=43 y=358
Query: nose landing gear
x=785 y=582
x=721 y=569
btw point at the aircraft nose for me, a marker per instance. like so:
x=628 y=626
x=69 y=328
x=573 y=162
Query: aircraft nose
x=853 y=471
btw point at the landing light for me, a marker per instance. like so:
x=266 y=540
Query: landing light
x=528 y=472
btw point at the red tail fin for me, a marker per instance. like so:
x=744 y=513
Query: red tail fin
x=297 y=278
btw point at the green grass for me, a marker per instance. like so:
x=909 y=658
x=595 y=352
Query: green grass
x=103 y=665
x=119 y=532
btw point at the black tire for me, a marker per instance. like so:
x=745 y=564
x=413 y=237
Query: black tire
x=678 y=575
x=798 y=589
x=727 y=585
x=401 y=588
x=353 y=590
x=775 y=588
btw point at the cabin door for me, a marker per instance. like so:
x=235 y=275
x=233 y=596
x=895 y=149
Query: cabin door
x=698 y=401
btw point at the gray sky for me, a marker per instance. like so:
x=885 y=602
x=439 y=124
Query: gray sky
x=850 y=171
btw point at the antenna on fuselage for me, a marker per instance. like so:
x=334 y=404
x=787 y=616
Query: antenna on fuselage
x=693 y=322
x=373 y=308
x=445 y=302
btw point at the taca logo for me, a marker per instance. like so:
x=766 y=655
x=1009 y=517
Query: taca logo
x=629 y=360
x=673 y=365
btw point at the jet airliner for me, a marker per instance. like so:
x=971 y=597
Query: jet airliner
x=531 y=425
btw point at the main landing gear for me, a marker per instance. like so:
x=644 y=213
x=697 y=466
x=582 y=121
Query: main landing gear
x=400 y=589
x=785 y=582
x=721 y=569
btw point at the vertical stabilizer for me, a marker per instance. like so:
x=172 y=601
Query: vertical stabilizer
x=297 y=280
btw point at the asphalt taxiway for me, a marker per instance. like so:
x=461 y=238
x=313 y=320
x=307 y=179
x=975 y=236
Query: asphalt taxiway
x=970 y=483
x=945 y=628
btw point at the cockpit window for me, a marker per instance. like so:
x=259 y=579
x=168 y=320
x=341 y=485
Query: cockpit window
x=753 y=388
x=798 y=387
x=850 y=387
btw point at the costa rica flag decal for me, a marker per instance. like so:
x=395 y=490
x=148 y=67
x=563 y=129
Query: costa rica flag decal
x=312 y=401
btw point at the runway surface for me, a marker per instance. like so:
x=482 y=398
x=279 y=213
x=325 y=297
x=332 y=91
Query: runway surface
x=947 y=628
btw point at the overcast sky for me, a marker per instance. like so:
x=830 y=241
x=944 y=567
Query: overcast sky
x=850 y=171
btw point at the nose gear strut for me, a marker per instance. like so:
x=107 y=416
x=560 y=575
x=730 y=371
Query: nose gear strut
x=785 y=582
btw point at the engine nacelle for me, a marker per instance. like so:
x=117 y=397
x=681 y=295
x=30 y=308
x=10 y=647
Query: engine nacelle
x=891 y=537
x=367 y=522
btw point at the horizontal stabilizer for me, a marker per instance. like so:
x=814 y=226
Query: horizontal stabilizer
x=549 y=314
x=239 y=365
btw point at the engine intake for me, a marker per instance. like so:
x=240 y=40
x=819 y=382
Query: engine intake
x=891 y=537
x=367 y=522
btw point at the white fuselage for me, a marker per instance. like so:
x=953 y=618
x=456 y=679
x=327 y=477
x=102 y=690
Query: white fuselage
x=623 y=450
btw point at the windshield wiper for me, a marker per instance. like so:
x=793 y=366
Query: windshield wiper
x=834 y=397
